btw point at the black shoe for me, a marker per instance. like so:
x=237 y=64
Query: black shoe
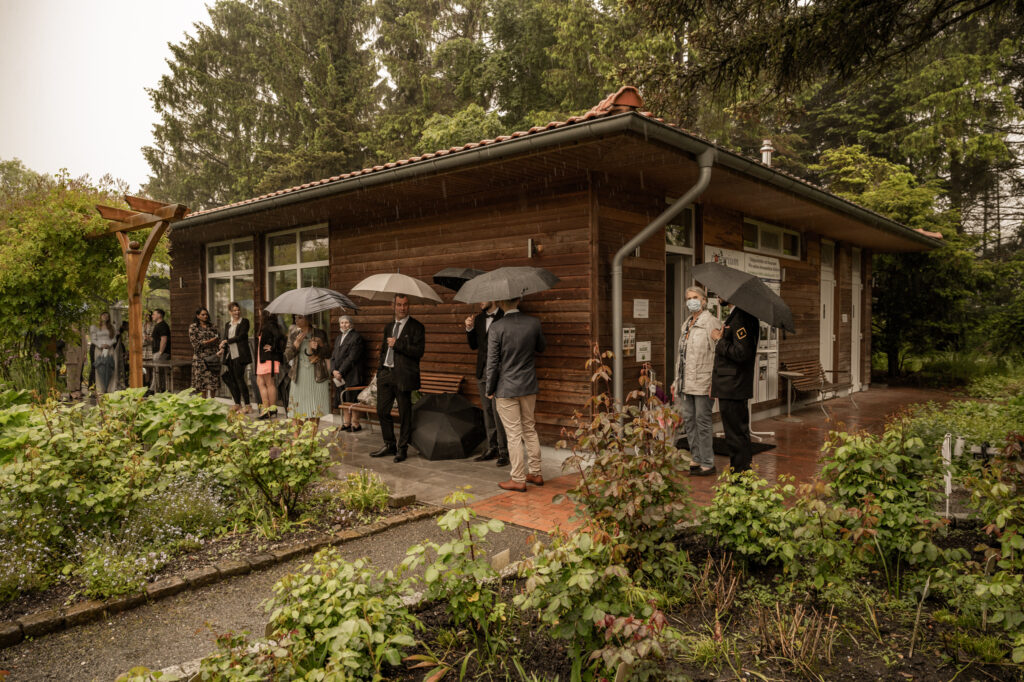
x=704 y=472
x=346 y=427
x=502 y=462
x=265 y=415
x=385 y=451
x=490 y=454
x=400 y=457
x=356 y=429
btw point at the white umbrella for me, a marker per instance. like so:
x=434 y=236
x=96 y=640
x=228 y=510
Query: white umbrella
x=384 y=286
x=309 y=300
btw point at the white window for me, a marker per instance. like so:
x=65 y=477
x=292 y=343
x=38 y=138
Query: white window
x=229 y=278
x=679 y=235
x=296 y=259
x=765 y=238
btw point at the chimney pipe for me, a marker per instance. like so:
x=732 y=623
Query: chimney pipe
x=766 y=152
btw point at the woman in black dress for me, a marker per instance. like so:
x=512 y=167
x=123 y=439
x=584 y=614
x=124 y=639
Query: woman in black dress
x=269 y=356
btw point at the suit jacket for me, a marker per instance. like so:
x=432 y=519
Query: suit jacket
x=735 y=357
x=241 y=338
x=347 y=358
x=408 y=349
x=512 y=345
x=477 y=338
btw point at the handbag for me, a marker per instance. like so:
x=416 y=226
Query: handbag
x=368 y=396
x=212 y=362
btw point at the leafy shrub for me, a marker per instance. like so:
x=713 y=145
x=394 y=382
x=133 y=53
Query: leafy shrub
x=365 y=493
x=333 y=620
x=632 y=478
x=977 y=422
x=998 y=386
x=461 y=575
x=29 y=371
x=750 y=517
x=115 y=567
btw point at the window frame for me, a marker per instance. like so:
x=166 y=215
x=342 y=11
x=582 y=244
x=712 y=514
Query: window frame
x=778 y=230
x=322 y=319
x=229 y=275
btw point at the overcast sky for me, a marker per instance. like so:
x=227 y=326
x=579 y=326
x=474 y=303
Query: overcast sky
x=73 y=75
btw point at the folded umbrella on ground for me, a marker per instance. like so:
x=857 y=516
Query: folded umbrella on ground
x=506 y=283
x=309 y=300
x=747 y=292
x=446 y=426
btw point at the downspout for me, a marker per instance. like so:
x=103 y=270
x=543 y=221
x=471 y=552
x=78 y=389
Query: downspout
x=705 y=160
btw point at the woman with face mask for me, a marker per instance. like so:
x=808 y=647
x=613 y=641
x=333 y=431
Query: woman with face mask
x=692 y=387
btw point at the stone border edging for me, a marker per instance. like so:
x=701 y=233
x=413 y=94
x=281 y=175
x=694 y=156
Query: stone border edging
x=13 y=632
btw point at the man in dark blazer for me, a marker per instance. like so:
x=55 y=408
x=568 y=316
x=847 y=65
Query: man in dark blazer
x=512 y=345
x=732 y=381
x=477 y=329
x=398 y=375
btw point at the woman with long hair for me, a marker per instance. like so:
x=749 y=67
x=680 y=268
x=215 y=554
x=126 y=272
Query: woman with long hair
x=205 y=358
x=237 y=356
x=103 y=338
x=269 y=355
x=309 y=397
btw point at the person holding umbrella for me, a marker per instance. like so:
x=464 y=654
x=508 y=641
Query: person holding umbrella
x=309 y=397
x=732 y=381
x=477 y=330
x=398 y=375
x=512 y=345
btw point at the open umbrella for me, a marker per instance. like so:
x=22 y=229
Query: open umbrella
x=384 y=286
x=309 y=300
x=506 y=283
x=446 y=426
x=747 y=292
x=454 y=278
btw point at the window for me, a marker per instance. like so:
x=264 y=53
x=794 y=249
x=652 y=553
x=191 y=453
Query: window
x=229 y=278
x=680 y=234
x=758 y=236
x=296 y=259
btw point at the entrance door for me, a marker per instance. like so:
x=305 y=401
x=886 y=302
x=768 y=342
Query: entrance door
x=827 y=313
x=855 y=321
x=678 y=269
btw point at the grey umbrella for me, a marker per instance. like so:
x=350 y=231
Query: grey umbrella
x=454 y=278
x=506 y=283
x=309 y=300
x=747 y=292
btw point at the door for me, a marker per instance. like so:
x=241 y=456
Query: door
x=856 y=333
x=678 y=269
x=827 y=311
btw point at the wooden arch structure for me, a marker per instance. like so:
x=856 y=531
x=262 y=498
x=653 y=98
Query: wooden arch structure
x=145 y=214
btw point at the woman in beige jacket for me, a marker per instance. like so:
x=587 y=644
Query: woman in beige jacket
x=692 y=387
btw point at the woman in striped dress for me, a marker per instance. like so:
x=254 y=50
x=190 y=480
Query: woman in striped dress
x=310 y=397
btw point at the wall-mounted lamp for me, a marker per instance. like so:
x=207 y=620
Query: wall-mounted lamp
x=533 y=248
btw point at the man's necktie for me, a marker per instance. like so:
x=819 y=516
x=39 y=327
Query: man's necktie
x=389 y=359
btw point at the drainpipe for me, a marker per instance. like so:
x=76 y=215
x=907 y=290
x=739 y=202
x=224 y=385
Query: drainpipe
x=705 y=160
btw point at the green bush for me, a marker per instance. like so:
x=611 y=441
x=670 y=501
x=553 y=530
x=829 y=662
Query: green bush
x=750 y=517
x=365 y=493
x=1009 y=384
x=333 y=620
x=977 y=422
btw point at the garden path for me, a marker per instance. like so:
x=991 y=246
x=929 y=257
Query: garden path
x=183 y=627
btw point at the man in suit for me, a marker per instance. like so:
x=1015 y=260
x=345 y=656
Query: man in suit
x=512 y=345
x=732 y=381
x=398 y=375
x=477 y=329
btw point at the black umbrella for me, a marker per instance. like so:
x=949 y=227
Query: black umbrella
x=446 y=426
x=454 y=278
x=747 y=292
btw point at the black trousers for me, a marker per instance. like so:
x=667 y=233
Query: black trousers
x=736 y=422
x=387 y=394
x=234 y=379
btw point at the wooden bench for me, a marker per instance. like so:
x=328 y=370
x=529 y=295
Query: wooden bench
x=430 y=382
x=812 y=379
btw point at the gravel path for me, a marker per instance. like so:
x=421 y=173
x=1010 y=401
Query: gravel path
x=183 y=627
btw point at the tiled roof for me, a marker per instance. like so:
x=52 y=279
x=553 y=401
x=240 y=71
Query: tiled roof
x=625 y=99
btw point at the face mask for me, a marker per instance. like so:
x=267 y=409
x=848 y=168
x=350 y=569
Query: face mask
x=693 y=304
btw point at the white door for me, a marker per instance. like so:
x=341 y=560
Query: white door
x=855 y=321
x=678 y=267
x=827 y=307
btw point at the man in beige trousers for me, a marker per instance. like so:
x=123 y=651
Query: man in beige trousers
x=512 y=345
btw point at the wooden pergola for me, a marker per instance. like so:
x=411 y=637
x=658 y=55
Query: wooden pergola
x=145 y=214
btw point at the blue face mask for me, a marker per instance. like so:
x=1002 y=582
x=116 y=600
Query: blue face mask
x=693 y=304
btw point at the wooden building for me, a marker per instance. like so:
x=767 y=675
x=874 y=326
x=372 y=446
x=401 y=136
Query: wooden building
x=566 y=197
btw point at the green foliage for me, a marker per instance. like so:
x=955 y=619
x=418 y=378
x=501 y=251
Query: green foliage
x=50 y=271
x=272 y=463
x=141 y=673
x=333 y=620
x=461 y=574
x=632 y=477
x=365 y=493
x=749 y=516
x=976 y=421
x=1001 y=386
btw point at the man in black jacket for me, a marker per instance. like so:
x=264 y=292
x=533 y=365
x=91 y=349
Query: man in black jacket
x=732 y=381
x=398 y=375
x=477 y=329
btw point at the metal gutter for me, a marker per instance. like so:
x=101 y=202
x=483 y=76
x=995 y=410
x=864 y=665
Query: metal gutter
x=705 y=160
